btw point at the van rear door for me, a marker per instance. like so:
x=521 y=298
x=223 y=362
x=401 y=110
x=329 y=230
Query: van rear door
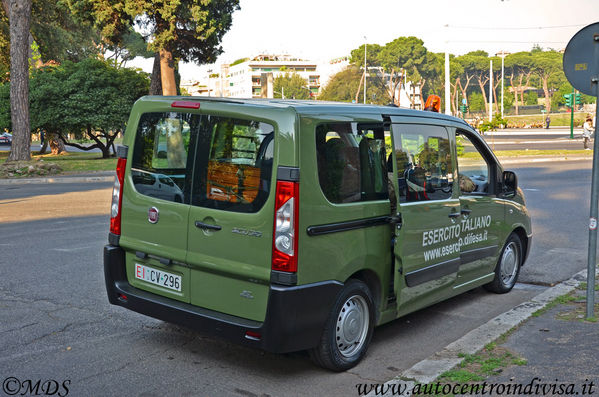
x=156 y=204
x=231 y=217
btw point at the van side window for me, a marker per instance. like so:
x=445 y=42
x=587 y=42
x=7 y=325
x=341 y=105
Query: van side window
x=424 y=168
x=160 y=156
x=472 y=167
x=233 y=164
x=351 y=162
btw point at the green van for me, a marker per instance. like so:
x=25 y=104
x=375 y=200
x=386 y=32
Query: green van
x=300 y=225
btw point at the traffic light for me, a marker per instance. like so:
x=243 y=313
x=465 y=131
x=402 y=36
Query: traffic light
x=577 y=99
x=568 y=98
x=463 y=108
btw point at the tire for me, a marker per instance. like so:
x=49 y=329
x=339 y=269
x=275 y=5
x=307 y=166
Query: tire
x=508 y=266
x=348 y=329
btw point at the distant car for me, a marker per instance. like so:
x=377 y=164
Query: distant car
x=5 y=138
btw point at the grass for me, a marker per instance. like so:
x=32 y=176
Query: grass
x=478 y=367
x=72 y=162
x=560 y=300
x=557 y=119
x=526 y=152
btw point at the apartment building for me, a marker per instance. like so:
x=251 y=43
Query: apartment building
x=254 y=77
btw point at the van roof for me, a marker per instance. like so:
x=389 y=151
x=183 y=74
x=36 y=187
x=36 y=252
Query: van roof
x=311 y=106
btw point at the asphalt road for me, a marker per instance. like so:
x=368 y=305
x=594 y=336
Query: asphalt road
x=56 y=323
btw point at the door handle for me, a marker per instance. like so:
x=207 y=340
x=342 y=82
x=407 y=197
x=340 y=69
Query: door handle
x=202 y=225
x=453 y=215
x=466 y=211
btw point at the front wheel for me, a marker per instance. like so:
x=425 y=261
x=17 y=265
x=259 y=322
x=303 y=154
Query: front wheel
x=508 y=266
x=348 y=329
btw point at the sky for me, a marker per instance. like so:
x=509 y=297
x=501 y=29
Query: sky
x=320 y=30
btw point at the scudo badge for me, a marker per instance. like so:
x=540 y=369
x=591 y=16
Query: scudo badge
x=153 y=215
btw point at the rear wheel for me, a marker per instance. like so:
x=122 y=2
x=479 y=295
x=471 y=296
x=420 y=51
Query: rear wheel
x=508 y=266
x=348 y=329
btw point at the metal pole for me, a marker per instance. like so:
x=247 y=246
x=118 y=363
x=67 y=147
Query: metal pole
x=491 y=91
x=502 y=59
x=365 y=45
x=447 y=91
x=573 y=99
x=594 y=200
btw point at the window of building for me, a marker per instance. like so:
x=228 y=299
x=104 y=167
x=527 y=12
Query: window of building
x=351 y=162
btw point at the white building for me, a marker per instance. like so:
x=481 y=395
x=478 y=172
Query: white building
x=253 y=78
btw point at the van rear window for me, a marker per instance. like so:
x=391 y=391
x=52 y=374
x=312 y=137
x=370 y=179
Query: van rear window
x=234 y=164
x=204 y=160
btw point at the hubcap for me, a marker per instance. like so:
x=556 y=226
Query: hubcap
x=352 y=325
x=509 y=264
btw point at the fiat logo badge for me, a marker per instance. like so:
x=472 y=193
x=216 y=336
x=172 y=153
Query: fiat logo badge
x=153 y=215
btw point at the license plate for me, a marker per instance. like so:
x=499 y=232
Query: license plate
x=158 y=277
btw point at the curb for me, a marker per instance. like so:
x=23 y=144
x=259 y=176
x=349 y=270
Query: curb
x=429 y=369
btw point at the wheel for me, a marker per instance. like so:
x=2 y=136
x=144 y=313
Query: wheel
x=508 y=266
x=348 y=329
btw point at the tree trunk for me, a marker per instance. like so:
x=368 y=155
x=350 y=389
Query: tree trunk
x=167 y=73
x=511 y=77
x=547 y=94
x=56 y=144
x=481 y=84
x=155 y=81
x=19 y=20
x=44 y=147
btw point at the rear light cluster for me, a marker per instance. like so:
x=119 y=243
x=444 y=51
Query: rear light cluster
x=284 y=244
x=117 y=197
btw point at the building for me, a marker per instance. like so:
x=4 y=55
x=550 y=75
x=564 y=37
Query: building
x=254 y=78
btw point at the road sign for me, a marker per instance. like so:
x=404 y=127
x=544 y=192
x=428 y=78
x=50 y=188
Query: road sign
x=581 y=66
x=581 y=59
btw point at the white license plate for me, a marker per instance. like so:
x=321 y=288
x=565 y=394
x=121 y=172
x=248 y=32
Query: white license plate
x=158 y=277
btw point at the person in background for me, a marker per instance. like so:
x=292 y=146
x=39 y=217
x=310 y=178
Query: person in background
x=587 y=131
x=547 y=122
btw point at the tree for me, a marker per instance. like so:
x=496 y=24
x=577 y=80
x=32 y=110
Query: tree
x=20 y=19
x=547 y=65
x=291 y=86
x=408 y=57
x=90 y=99
x=343 y=86
x=519 y=71
x=189 y=30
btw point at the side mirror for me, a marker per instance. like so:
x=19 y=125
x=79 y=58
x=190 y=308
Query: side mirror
x=510 y=183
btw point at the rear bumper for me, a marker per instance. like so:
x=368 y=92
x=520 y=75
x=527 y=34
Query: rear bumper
x=295 y=316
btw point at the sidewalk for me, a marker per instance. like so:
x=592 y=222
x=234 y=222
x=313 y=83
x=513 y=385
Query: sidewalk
x=556 y=348
x=560 y=348
x=100 y=176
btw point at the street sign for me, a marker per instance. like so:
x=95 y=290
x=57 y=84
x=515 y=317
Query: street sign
x=581 y=66
x=581 y=63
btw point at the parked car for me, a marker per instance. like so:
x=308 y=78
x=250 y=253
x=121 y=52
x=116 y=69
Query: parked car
x=5 y=138
x=290 y=225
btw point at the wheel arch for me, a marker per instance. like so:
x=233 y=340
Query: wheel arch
x=371 y=279
x=524 y=239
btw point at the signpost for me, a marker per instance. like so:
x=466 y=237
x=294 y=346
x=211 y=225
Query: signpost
x=581 y=66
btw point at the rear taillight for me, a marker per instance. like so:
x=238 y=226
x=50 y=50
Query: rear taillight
x=284 y=243
x=117 y=197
